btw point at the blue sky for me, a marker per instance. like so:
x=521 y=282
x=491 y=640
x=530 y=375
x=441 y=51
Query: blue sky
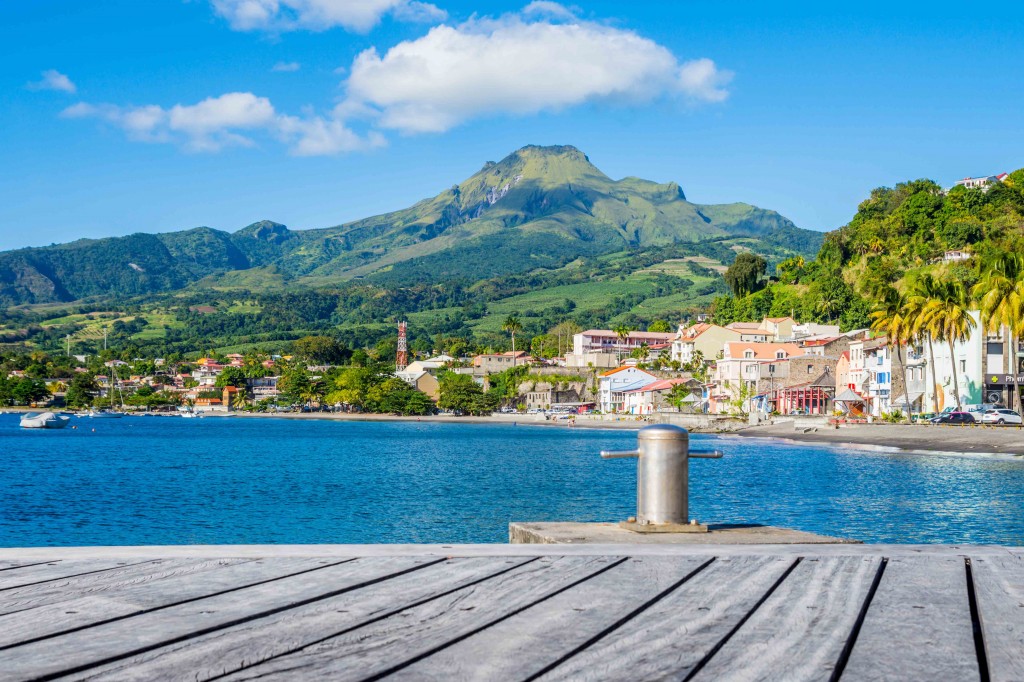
x=127 y=116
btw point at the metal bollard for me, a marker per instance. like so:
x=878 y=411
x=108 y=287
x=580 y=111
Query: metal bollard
x=662 y=481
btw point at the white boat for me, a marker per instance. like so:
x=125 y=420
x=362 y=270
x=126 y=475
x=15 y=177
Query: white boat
x=105 y=414
x=45 y=420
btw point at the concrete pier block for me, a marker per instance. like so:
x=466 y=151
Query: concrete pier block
x=562 y=533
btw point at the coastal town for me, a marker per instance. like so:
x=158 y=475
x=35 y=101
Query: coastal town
x=778 y=366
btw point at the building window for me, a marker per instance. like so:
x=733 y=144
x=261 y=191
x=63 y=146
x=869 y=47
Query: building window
x=810 y=369
x=963 y=366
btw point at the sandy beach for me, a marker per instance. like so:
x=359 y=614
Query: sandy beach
x=965 y=440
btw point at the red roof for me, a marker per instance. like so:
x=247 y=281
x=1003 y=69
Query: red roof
x=820 y=342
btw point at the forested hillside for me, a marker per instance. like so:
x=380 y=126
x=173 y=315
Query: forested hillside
x=898 y=237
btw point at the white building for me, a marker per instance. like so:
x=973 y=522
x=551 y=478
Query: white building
x=967 y=356
x=983 y=182
x=607 y=341
x=652 y=397
x=813 y=330
x=878 y=368
x=417 y=368
x=613 y=386
x=604 y=348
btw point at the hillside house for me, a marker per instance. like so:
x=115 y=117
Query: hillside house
x=708 y=339
x=751 y=332
x=491 y=364
x=425 y=382
x=743 y=367
x=544 y=395
x=613 y=385
x=607 y=341
x=983 y=183
x=654 y=397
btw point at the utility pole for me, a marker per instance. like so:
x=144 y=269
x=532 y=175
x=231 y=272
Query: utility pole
x=67 y=344
x=104 y=338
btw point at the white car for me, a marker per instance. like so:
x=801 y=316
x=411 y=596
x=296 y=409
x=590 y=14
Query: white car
x=1000 y=416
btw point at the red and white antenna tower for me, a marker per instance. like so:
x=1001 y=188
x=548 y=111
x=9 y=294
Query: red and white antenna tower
x=402 y=356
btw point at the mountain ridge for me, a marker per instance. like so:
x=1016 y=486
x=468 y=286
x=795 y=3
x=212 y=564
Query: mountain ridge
x=539 y=207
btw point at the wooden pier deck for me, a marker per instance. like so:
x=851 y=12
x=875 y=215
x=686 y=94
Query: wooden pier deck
x=513 y=612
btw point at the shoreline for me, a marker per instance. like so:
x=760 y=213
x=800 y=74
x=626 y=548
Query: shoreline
x=582 y=422
x=972 y=441
x=992 y=441
x=507 y=419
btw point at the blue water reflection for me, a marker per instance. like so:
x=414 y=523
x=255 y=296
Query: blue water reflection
x=150 y=480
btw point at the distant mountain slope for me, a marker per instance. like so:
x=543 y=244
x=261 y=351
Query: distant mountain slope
x=540 y=207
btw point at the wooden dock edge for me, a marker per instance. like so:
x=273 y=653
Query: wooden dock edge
x=488 y=550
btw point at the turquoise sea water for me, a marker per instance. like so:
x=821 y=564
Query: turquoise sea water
x=153 y=480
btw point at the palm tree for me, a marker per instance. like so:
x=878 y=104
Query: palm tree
x=890 y=318
x=313 y=391
x=947 y=316
x=828 y=306
x=622 y=331
x=1000 y=297
x=513 y=326
x=922 y=290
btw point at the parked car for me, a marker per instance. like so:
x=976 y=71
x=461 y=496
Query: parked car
x=1001 y=416
x=955 y=418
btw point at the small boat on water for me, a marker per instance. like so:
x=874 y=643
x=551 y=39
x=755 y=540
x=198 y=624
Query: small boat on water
x=105 y=414
x=44 y=420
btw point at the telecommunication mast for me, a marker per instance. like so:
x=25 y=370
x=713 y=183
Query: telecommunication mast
x=402 y=355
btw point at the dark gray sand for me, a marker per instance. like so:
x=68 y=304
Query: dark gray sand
x=965 y=440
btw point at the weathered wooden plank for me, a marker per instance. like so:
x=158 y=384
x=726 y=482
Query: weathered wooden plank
x=537 y=637
x=59 y=570
x=11 y=565
x=73 y=653
x=918 y=626
x=61 y=617
x=375 y=648
x=127 y=577
x=999 y=588
x=799 y=632
x=262 y=639
x=668 y=639
x=495 y=550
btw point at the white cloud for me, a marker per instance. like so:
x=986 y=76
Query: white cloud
x=53 y=80
x=219 y=122
x=318 y=136
x=286 y=67
x=418 y=12
x=321 y=15
x=544 y=58
x=703 y=80
x=513 y=65
x=550 y=10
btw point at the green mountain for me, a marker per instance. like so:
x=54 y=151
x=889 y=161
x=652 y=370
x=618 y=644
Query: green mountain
x=539 y=208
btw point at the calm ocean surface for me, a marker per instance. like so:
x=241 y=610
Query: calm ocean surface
x=150 y=480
